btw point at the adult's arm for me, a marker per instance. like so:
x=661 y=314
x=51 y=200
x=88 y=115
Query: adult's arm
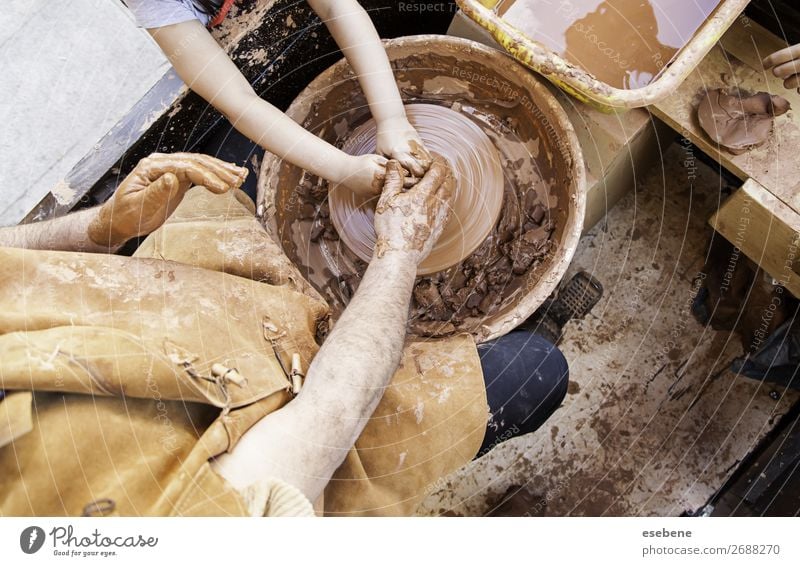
x=356 y=36
x=206 y=69
x=67 y=233
x=306 y=441
x=142 y=202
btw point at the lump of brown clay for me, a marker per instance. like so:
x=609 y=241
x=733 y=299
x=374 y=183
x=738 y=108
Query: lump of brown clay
x=739 y=121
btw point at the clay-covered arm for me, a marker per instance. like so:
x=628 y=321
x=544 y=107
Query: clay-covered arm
x=355 y=35
x=141 y=203
x=306 y=441
x=206 y=69
x=67 y=233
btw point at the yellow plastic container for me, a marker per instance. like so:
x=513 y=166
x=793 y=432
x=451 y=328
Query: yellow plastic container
x=583 y=85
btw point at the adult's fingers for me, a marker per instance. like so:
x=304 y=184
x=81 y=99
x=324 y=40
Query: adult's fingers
x=433 y=179
x=421 y=154
x=393 y=181
x=199 y=169
x=782 y=56
x=221 y=168
x=410 y=181
x=163 y=190
x=792 y=82
x=447 y=188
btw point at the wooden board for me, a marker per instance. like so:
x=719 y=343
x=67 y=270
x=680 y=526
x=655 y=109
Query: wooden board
x=765 y=229
x=736 y=63
x=617 y=148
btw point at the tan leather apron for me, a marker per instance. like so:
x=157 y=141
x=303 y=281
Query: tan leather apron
x=113 y=407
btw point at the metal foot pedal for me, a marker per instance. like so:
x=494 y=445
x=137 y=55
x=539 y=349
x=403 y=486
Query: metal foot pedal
x=576 y=299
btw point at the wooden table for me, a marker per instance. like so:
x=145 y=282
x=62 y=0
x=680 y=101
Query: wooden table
x=763 y=218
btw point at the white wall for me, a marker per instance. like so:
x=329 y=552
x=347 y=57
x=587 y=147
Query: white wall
x=68 y=72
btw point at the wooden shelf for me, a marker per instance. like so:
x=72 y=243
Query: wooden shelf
x=735 y=62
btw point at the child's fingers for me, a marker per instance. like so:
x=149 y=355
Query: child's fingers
x=787 y=69
x=411 y=164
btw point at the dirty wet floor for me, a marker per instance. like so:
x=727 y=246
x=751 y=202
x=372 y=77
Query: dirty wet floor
x=654 y=421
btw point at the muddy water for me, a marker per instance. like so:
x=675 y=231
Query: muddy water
x=624 y=43
x=476 y=202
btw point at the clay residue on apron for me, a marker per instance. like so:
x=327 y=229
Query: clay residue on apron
x=475 y=205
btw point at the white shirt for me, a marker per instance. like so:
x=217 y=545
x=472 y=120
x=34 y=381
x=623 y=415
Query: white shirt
x=158 y=13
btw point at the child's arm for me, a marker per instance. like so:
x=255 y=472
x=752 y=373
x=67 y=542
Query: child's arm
x=353 y=31
x=206 y=68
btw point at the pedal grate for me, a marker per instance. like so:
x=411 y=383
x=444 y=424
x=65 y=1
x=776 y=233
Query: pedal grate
x=577 y=298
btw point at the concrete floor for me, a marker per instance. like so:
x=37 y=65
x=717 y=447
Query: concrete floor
x=654 y=422
x=70 y=71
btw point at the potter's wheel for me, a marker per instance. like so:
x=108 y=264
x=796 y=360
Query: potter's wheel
x=476 y=202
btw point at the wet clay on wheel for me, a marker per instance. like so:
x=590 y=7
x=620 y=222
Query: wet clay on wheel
x=475 y=205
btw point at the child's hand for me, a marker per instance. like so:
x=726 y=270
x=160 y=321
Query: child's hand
x=399 y=140
x=785 y=64
x=363 y=174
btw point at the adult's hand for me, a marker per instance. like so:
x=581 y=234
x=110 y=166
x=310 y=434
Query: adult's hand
x=785 y=64
x=154 y=189
x=411 y=220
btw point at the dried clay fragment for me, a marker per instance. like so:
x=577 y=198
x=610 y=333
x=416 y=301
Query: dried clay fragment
x=737 y=120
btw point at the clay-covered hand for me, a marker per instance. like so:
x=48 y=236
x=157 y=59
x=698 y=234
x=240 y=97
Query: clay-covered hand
x=785 y=64
x=411 y=220
x=363 y=174
x=397 y=139
x=152 y=191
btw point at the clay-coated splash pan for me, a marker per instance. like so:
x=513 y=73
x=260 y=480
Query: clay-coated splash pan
x=581 y=83
x=539 y=147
